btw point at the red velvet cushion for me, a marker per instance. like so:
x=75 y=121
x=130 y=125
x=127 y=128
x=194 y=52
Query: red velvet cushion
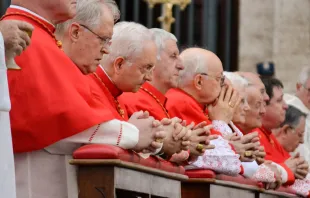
x=286 y=190
x=239 y=179
x=200 y=173
x=104 y=151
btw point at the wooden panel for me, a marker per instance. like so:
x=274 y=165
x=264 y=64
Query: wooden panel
x=192 y=190
x=228 y=192
x=146 y=183
x=96 y=182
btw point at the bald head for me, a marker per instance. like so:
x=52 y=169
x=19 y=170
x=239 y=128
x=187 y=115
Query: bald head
x=202 y=70
x=198 y=60
x=255 y=80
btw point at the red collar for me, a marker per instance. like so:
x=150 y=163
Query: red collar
x=199 y=104
x=161 y=97
x=108 y=83
x=35 y=18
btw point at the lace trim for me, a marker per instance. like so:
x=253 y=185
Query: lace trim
x=222 y=159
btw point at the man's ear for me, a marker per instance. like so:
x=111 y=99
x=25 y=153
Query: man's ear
x=298 y=86
x=286 y=129
x=198 y=82
x=118 y=64
x=74 y=31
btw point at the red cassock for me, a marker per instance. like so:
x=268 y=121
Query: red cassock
x=274 y=151
x=51 y=99
x=148 y=98
x=182 y=105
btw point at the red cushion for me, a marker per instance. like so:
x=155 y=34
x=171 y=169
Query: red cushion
x=286 y=190
x=200 y=173
x=104 y=151
x=239 y=179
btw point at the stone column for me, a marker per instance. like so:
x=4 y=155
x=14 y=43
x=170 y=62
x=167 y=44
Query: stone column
x=278 y=31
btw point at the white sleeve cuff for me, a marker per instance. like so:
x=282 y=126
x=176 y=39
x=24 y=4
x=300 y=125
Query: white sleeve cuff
x=114 y=132
x=249 y=168
x=284 y=174
x=222 y=127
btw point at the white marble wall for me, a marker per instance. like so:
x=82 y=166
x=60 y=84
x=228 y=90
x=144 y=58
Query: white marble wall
x=278 y=31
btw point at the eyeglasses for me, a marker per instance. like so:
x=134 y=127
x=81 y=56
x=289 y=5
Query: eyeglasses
x=220 y=79
x=104 y=40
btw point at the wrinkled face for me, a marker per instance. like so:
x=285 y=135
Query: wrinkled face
x=168 y=67
x=294 y=137
x=91 y=43
x=211 y=82
x=303 y=92
x=136 y=71
x=61 y=9
x=257 y=82
x=257 y=108
x=243 y=108
x=275 y=111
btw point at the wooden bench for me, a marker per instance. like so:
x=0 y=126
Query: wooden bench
x=104 y=178
x=213 y=188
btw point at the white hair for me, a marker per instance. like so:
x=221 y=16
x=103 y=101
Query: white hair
x=89 y=12
x=193 y=64
x=160 y=36
x=304 y=75
x=127 y=40
x=235 y=79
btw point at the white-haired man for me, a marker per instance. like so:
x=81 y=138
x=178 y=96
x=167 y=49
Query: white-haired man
x=301 y=100
x=203 y=69
x=68 y=106
x=151 y=96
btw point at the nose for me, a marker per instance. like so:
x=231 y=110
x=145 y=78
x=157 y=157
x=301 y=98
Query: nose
x=266 y=97
x=285 y=106
x=105 y=49
x=246 y=107
x=180 y=65
x=148 y=76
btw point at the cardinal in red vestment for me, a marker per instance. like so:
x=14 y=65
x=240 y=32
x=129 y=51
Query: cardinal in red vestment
x=190 y=100
x=150 y=96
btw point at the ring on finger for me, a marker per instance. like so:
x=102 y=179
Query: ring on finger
x=231 y=105
x=159 y=140
x=199 y=147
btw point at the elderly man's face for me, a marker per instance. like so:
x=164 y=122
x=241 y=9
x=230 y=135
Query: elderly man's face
x=293 y=136
x=303 y=92
x=243 y=108
x=257 y=108
x=275 y=111
x=137 y=70
x=92 y=43
x=168 y=67
x=212 y=81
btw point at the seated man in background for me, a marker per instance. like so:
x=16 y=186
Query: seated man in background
x=295 y=166
x=151 y=96
x=301 y=100
x=241 y=85
x=203 y=69
x=291 y=132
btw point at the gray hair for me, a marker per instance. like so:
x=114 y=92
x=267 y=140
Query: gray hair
x=293 y=116
x=160 y=36
x=193 y=64
x=127 y=40
x=88 y=12
x=236 y=79
x=304 y=75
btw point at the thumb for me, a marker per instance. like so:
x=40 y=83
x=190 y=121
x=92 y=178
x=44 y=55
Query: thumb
x=297 y=155
x=137 y=114
x=24 y=26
